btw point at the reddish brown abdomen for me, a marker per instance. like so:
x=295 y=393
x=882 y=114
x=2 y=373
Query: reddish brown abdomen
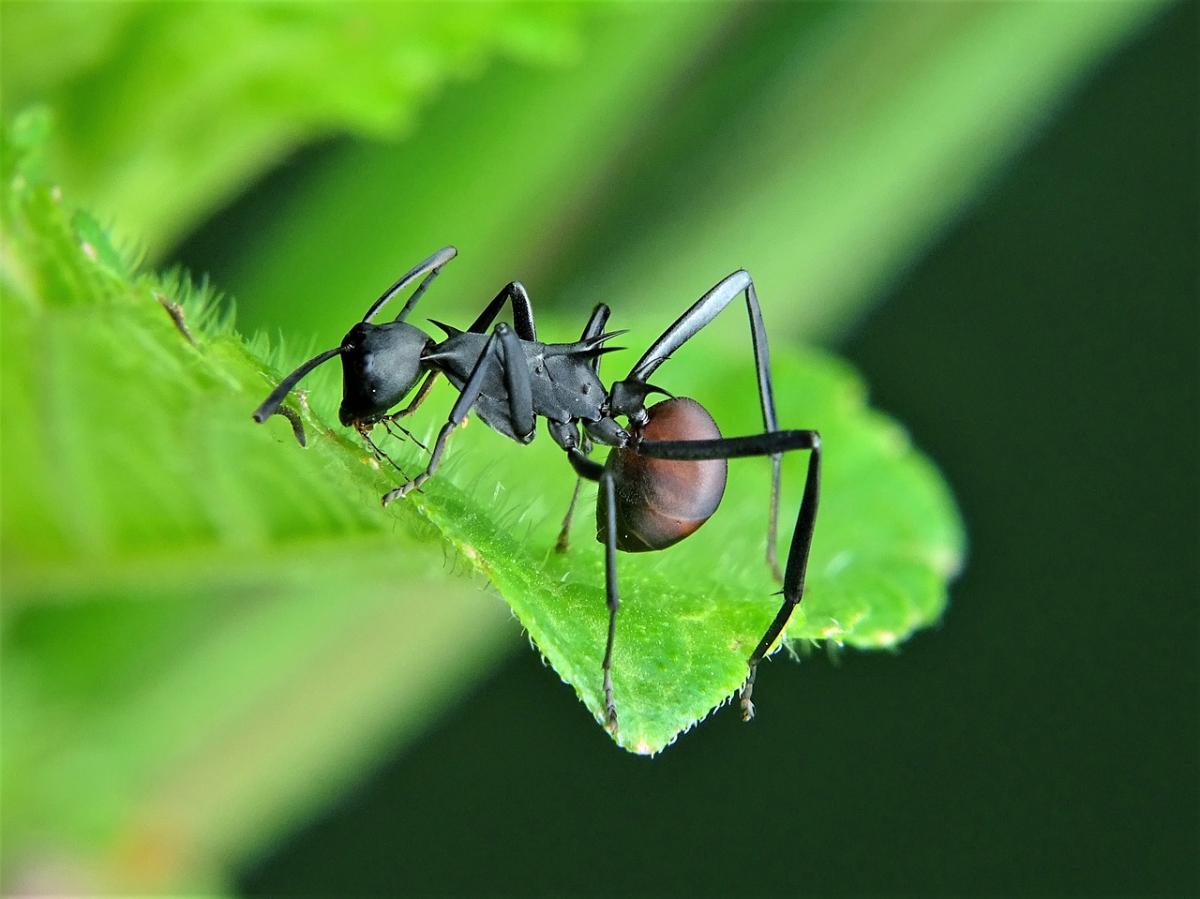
x=661 y=501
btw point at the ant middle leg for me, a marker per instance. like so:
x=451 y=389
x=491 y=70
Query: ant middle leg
x=563 y=543
x=593 y=329
x=503 y=348
x=522 y=307
x=565 y=435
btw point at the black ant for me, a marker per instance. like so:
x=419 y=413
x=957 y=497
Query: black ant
x=665 y=475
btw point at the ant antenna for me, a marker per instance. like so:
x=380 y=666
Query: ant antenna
x=271 y=403
x=430 y=268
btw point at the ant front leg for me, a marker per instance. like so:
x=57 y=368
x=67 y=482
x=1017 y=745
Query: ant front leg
x=771 y=443
x=522 y=307
x=502 y=348
x=364 y=431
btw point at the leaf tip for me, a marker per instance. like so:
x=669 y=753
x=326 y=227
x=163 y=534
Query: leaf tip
x=643 y=747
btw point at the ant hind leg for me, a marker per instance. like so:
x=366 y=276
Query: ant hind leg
x=771 y=443
x=691 y=323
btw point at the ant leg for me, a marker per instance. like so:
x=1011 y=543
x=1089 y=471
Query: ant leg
x=514 y=292
x=563 y=543
x=504 y=348
x=687 y=326
x=364 y=431
x=613 y=600
x=771 y=443
x=585 y=469
x=593 y=329
x=395 y=429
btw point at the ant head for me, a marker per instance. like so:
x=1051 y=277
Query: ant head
x=380 y=365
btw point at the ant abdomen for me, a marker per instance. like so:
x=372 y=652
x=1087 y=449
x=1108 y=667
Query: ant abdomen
x=661 y=501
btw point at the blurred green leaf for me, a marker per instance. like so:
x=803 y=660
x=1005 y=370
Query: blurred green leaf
x=198 y=612
x=820 y=146
x=203 y=637
x=134 y=472
x=826 y=150
x=500 y=168
x=208 y=630
x=210 y=94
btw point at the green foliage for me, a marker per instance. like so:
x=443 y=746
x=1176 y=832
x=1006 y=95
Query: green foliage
x=858 y=132
x=213 y=93
x=207 y=630
x=179 y=587
x=887 y=541
x=820 y=146
x=151 y=530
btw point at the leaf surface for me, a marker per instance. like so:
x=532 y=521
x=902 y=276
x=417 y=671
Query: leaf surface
x=211 y=94
x=161 y=457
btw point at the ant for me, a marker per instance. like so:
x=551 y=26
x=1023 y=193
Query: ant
x=665 y=474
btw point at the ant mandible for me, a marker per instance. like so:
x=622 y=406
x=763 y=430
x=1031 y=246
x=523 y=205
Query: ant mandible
x=665 y=474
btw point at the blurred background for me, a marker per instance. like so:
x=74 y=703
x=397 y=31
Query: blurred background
x=990 y=210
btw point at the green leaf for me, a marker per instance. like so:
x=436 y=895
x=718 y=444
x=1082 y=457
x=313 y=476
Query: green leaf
x=103 y=382
x=501 y=167
x=203 y=636
x=887 y=541
x=858 y=132
x=186 y=593
x=211 y=94
x=692 y=138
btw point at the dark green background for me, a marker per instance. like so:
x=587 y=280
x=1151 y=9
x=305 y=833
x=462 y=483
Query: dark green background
x=1044 y=738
